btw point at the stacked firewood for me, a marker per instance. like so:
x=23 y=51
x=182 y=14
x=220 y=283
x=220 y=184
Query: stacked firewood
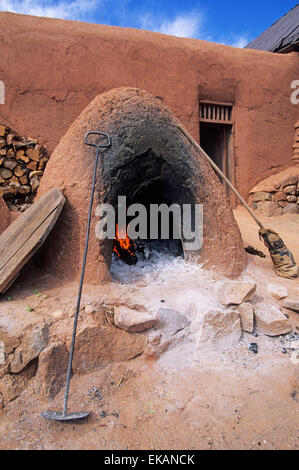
x=22 y=163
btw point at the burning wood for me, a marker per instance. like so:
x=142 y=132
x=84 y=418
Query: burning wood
x=123 y=247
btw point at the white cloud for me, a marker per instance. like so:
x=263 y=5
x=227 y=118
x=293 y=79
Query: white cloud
x=183 y=26
x=75 y=9
x=187 y=25
x=241 y=41
x=235 y=41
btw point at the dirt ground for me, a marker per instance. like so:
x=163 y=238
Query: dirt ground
x=233 y=399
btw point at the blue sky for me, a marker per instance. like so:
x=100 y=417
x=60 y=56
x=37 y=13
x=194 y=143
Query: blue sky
x=232 y=22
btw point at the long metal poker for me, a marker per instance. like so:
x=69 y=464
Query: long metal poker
x=64 y=415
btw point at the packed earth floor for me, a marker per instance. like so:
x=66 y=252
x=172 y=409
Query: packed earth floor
x=187 y=398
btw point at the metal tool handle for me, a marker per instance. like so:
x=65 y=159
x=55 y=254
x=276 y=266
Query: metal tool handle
x=69 y=369
x=100 y=145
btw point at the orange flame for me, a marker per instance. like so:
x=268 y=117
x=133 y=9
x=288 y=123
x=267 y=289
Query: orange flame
x=121 y=239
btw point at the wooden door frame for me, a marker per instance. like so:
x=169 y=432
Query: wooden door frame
x=230 y=146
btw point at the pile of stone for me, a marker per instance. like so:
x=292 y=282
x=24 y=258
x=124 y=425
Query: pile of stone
x=296 y=143
x=217 y=329
x=254 y=311
x=277 y=195
x=22 y=163
x=35 y=345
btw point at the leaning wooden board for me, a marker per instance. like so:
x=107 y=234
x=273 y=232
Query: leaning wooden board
x=26 y=234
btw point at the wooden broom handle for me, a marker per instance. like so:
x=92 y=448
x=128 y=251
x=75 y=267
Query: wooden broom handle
x=213 y=164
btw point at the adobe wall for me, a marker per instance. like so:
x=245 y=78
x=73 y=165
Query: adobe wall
x=53 y=68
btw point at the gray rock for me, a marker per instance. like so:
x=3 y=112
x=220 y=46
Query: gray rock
x=279 y=196
x=12 y=385
x=289 y=181
x=270 y=320
x=292 y=199
x=24 y=337
x=97 y=345
x=291 y=208
x=235 y=292
x=14 y=325
x=269 y=208
x=253 y=347
x=277 y=291
x=262 y=196
x=32 y=344
x=292 y=304
x=219 y=330
x=292 y=189
x=171 y=321
x=133 y=321
x=246 y=316
x=52 y=366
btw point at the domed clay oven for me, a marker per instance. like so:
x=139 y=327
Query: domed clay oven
x=148 y=155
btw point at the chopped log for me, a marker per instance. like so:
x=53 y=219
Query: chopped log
x=34 y=183
x=23 y=159
x=10 y=138
x=10 y=153
x=24 y=145
x=10 y=164
x=23 y=179
x=24 y=190
x=18 y=171
x=5 y=173
x=14 y=180
x=35 y=173
x=20 y=153
x=19 y=158
x=32 y=166
x=126 y=256
x=42 y=163
x=35 y=153
x=29 y=152
x=9 y=191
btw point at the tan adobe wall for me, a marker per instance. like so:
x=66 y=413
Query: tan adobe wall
x=53 y=68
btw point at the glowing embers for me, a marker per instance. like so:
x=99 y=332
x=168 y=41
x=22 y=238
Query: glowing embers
x=143 y=251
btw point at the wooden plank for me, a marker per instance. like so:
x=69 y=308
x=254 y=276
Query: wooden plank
x=23 y=227
x=16 y=230
x=26 y=234
x=216 y=121
x=218 y=103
